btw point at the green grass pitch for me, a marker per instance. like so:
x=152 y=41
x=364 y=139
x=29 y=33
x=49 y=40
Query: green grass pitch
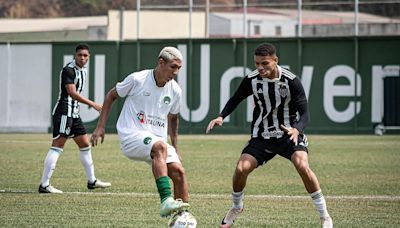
x=359 y=175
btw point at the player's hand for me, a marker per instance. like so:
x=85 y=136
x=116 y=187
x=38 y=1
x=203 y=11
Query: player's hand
x=293 y=132
x=98 y=107
x=97 y=133
x=217 y=121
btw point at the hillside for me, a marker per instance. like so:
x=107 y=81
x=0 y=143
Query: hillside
x=72 y=8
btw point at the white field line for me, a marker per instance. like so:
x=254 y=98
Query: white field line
x=223 y=196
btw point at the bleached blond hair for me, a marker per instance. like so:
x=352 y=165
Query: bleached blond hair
x=170 y=53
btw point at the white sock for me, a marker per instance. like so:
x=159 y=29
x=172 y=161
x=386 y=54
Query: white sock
x=319 y=202
x=237 y=198
x=87 y=162
x=50 y=164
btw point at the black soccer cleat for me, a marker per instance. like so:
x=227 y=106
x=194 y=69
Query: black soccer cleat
x=98 y=184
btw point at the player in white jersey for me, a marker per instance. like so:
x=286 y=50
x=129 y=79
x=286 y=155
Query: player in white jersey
x=151 y=108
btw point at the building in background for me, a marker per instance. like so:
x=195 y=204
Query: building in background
x=53 y=29
x=155 y=25
x=260 y=22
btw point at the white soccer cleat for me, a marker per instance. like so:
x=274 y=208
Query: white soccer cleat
x=170 y=206
x=230 y=217
x=48 y=189
x=327 y=222
x=98 y=184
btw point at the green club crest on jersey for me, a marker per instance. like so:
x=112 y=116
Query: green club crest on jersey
x=147 y=140
x=167 y=100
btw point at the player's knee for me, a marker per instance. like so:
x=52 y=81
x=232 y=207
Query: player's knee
x=159 y=150
x=242 y=170
x=178 y=172
x=302 y=166
x=181 y=174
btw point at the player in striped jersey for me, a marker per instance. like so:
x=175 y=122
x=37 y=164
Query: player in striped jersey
x=280 y=116
x=68 y=124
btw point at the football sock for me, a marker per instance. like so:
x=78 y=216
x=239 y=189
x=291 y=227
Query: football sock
x=50 y=164
x=319 y=202
x=86 y=159
x=164 y=187
x=237 y=198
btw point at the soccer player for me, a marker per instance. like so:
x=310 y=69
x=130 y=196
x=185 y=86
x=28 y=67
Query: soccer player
x=279 y=117
x=150 y=110
x=68 y=124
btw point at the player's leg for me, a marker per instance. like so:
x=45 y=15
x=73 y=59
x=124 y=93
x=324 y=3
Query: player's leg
x=159 y=159
x=311 y=183
x=145 y=146
x=245 y=165
x=50 y=164
x=61 y=126
x=252 y=156
x=177 y=174
x=85 y=155
x=159 y=153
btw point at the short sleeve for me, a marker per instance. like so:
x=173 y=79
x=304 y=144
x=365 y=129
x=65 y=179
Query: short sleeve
x=123 y=88
x=68 y=76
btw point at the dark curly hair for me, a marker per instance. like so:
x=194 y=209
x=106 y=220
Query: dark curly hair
x=265 y=49
x=82 y=47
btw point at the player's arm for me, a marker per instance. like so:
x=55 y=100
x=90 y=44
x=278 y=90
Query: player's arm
x=300 y=101
x=173 y=125
x=68 y=78
x=99 y=132
x=244 y=90
x=71 y=90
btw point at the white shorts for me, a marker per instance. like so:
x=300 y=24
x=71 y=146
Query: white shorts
x=138 y=147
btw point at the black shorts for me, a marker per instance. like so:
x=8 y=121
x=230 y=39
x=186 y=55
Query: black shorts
x=67 y=126
x=264 y=150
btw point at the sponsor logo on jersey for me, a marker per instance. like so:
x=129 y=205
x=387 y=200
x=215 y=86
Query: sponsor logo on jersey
x=167 y=100
x=150 y=119
x=147 y=140
x=273 y=134
x=141 y=117
x=155 y=122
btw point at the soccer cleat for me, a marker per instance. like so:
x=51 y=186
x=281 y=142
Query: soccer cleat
x=98 y=184
x=170 y=206
x=326 y=222
x=230 y=217
x=48 y=189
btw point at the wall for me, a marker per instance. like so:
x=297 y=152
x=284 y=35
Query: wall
x=342 y=77
x=25 y=87
x=171 y=25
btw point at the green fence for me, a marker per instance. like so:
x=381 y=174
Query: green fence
x=341 y=76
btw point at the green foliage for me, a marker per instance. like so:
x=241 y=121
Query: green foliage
x=359 y=176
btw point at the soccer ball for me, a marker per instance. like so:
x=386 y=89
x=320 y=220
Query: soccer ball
x=182 y=219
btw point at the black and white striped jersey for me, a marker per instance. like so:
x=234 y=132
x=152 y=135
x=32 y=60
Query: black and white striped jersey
x=276 y=101
x=70 y=74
